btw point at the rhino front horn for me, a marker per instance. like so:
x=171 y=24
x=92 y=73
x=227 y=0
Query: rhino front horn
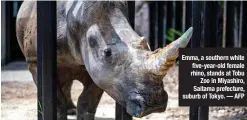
x=159 y=61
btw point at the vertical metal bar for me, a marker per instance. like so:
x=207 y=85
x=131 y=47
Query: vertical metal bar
x=8 y=25
x=174 y=14
x=207 y=23
x=219 y=21
x=224 y=24
x=193 y=113
x=121 y=113
x=240 y=24
x=203 y=112
x=46 y=31
x=131 y=9
x=244 y=27
x=156 y=27
x=165 y=23
x=178 y=26
x=188 y=8
x=198 y=39
x=179 y=17
x=152 y=25
x=3 y=32
x=39 y=79
x=183 y=16
x=211 y=24
x=193 y=109
x=196 y=42
x=118 y=112
x=188 y=16
x=160 y=24
x=39 y=66
x=171 y=16
x=196 y=23
x=232 y=24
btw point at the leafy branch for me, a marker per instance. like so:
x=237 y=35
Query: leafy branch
x=171 y=33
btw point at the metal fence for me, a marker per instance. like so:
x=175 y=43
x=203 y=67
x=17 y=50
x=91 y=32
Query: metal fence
x=47 y=60
x=216 y=24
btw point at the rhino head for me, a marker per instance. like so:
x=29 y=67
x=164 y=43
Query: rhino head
x=120 y=62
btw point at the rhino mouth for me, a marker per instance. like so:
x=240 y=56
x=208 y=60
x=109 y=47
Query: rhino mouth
x=135 y=108
x=138 y=107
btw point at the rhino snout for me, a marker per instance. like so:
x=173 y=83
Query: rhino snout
x=139 y=105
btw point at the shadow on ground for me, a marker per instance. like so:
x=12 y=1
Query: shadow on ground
x=16 y=65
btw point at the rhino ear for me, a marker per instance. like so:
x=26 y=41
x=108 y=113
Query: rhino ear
x=141 y=44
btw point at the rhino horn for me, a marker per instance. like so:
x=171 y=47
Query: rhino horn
x=141 y=43
x=159 y=61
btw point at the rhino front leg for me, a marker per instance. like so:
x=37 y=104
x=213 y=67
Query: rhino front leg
x=88 y=101
x=61 y=104
x=70 y=105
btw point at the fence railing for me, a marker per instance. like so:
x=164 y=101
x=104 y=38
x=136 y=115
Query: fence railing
x=47 y=60
x=216 y=24
x=219 y=23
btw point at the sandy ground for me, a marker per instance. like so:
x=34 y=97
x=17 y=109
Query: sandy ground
x=19 y=100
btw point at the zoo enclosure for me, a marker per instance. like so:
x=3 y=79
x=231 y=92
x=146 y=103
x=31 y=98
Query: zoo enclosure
x=216 y=24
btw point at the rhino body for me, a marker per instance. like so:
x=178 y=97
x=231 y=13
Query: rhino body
x=97 y=46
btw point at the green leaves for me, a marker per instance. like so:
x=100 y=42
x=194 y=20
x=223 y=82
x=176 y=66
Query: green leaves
x=171 y=33
x=40 y=109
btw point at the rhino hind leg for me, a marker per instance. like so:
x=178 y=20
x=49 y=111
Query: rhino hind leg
x=62 y=101
x=88 y=100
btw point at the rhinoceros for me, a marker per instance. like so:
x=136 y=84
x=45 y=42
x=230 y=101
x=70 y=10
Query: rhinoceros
x=97 y=46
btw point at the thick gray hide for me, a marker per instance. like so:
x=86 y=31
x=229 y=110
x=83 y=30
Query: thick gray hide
x=97 y=46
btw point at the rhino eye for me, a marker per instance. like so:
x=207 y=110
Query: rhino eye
x=92 y=42
x=107 y=52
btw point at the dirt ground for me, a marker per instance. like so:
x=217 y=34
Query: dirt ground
x=19 y=103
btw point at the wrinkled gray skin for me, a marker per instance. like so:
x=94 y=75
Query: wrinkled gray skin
x=97 y=46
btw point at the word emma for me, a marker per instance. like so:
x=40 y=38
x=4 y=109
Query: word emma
x=214 y=57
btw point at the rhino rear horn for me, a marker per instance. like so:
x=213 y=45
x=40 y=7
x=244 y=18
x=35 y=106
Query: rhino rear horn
x=141 y=43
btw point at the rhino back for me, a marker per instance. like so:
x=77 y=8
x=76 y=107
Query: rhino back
x=26 y=32
x=26 y=28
